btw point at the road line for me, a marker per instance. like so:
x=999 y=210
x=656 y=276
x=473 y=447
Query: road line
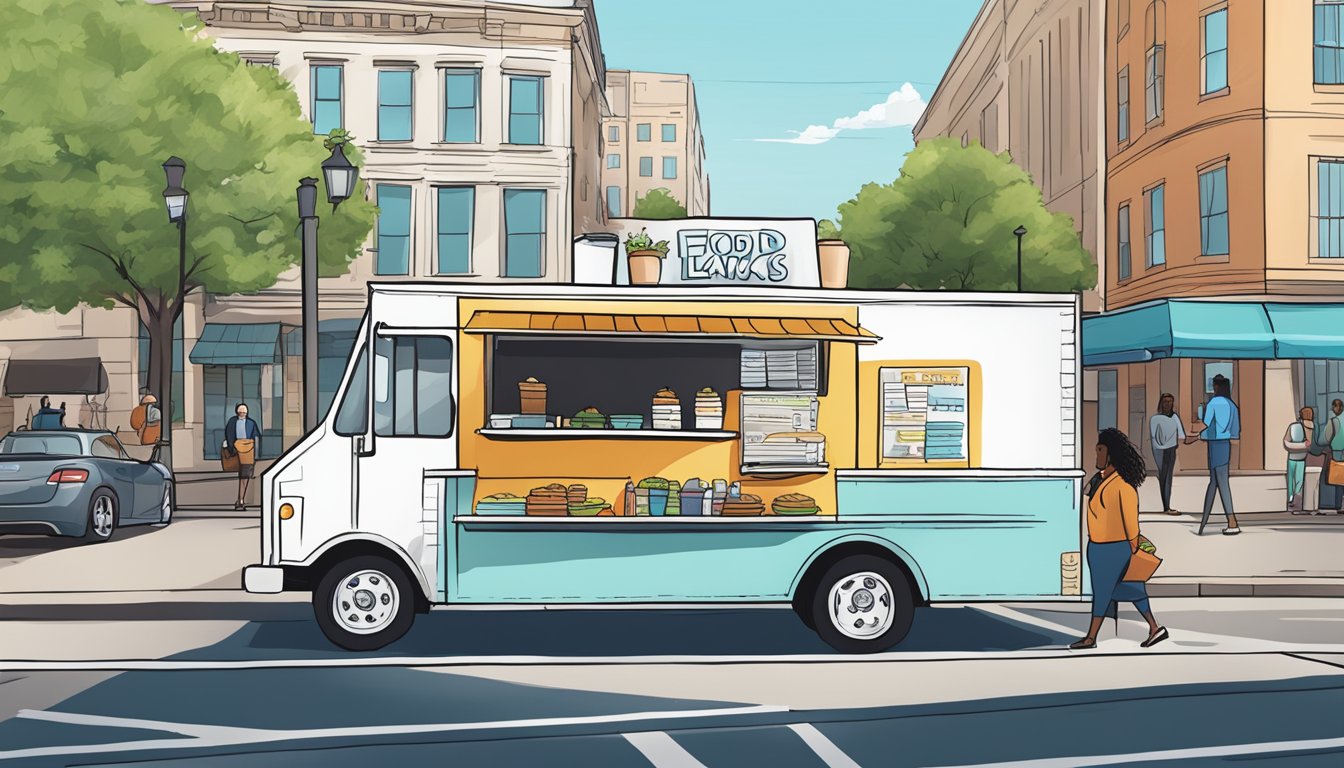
x=662 y=750
x=221 y=736
x=1191 y=753
x=830 y=754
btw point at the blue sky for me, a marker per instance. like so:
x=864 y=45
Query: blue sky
x=822 y=62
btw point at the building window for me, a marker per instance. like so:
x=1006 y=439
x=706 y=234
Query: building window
x=412 y=386
x=525 y=232
x=461 y=106
x=644 y=132
x=669 y=132
x=669 y=167
x=1122 y=242
x=1330 y=208
x=1329 y=39
x=925 y=414
x=1155 y=59
x=327 y=92
x=1213 y=212
x=1122 y=105
x=1107 y=399
x=613 y=133
x=646 y=166
x=394 y=105
x=1215 y=51
x=614 y=202
x=1155 y=232
x=525 y=104
x=394 y=230
x=613 y=161
x=457 y=211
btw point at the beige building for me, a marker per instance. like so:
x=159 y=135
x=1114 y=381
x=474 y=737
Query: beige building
x=652 y=139
x=1027 y=80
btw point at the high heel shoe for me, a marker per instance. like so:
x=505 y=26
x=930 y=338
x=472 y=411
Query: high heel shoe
x=1085 y=644
x=1155 y=638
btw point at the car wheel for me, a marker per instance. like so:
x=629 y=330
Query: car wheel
x=165 y=508
x=364 y=603
x=863 y=604
x=102 y=517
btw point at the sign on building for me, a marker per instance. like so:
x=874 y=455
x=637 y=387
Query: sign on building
x=713 y=251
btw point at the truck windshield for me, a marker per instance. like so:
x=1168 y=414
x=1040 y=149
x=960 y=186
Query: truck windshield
x=353 y=417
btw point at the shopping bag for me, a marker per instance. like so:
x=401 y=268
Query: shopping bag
x=228 y=459
x=1335 y=475
x=1142 y=565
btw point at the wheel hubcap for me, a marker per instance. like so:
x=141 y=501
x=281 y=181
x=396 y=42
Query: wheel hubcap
x=102 y=517
x=861 y=606
x=365 y=602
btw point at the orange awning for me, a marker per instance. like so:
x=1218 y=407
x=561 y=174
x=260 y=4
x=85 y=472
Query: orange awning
x=816 y=329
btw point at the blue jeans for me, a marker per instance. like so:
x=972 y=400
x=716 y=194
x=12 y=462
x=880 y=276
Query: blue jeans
x=1106 y=564
x=1220 y=456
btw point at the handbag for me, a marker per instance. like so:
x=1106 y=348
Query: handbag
x=228 y=459
x=1142 y=565
x=1335 y=474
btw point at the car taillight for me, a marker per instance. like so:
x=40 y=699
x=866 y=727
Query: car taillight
x=68 y=476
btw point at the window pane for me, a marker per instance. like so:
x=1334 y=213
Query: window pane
x=394 y=229
x=1158 y=211
x=614 y=201
x=644 y=132
x=669 y=167
x=1159 y=248
x=403 y=386
x=461 y=91
x=525 y=110
x=457 y=207
x=353 y=416
x=326 y=99
x=669 y=132
x=394 y=123
x=525 y=225
x=1215 y=31
x=1106 y=399
x=613 y=161
x=1122 y=227
x=327 y=82
x=646 y=166
x=525 y=129
x=434 y=386
x=614 y=133
x=1215 y=71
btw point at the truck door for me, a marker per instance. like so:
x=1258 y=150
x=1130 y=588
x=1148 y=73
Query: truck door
x=413 y=420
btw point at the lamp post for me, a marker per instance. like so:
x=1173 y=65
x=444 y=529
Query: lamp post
x=340 y=175
x=175 y=199
x=1020 y=231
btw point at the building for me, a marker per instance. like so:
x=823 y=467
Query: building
x=652 y=140
x=1026 y=80
x=480 y=125
x=1225 y=188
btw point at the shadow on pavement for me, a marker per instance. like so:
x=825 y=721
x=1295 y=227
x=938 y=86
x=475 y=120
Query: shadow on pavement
x=20 y=546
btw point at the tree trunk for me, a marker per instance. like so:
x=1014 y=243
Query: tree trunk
x=161 y=351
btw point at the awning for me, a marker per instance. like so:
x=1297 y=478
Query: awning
x=238 y=344
x=1174 y=328
x=669 y=325
x=75 y=376
x=1307 y=331
x=335 y=338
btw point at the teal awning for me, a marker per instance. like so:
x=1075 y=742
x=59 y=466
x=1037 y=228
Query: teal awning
x=238 y=344
x=1227 y=330
x=1308 y=331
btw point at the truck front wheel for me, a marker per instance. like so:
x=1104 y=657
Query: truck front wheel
x=863 y=604
x=364 y=603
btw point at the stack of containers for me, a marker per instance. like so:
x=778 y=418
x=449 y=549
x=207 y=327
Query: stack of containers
x=693 y=496
x=673 y=497
x=708 y=409
x=720 y=497
x=666 y=410
x=753 y=369
x=532 y=396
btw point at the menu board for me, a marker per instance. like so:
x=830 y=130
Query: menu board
x=924 y=413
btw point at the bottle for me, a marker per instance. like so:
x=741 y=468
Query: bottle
x=735 y=490
x=628 y=501
x=720 y=495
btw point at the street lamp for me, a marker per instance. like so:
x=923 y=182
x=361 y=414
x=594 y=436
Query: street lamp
x=1020 y=231
x=175 y=200
x=340 y=175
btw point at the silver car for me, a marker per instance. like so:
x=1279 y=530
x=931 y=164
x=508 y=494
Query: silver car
x=74 y=482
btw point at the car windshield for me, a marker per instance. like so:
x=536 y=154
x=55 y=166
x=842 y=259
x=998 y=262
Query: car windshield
x=49 y=445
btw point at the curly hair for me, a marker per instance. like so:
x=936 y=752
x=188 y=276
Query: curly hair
x=1126 y=459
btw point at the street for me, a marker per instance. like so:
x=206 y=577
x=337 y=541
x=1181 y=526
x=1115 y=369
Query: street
x=169 y=664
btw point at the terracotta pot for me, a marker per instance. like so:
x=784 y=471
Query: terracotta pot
x=646 y=267
x=834 y=262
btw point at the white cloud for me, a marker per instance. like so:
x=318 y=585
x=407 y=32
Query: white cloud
x=902 y=107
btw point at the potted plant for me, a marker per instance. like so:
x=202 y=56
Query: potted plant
x=644 y=258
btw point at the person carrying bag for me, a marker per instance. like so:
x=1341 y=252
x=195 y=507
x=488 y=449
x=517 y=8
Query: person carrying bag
x=242 y=437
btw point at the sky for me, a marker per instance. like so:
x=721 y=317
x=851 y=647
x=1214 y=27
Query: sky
x=801 y=101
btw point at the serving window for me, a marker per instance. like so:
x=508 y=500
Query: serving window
x=925 y=415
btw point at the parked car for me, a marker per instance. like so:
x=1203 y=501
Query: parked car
x=74 y=482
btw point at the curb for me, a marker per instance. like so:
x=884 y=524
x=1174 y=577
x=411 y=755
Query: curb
x=1305 y=588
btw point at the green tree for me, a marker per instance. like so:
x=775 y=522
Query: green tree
x=658 y=204
x=826 y=230
x=97 y=95
x=947 y=223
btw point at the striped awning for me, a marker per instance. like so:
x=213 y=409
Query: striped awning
x=817 y=329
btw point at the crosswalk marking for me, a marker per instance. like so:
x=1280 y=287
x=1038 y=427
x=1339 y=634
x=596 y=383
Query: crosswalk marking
x=826 y=749
x=662 y=750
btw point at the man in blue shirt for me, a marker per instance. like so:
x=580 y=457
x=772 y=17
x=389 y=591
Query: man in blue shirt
x=1222 y=425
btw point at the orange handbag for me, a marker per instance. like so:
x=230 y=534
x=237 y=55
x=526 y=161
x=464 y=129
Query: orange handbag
x=1142 y=565
x=228 y=459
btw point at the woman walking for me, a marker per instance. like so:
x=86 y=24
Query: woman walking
x=1113 y=536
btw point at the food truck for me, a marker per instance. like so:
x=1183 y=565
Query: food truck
x=851 y=454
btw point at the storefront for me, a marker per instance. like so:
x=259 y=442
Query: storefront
x=242 y=363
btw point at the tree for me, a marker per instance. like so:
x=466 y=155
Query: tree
x=658 y=204
x=826 y=230
x=97 y=95
x=947 y=223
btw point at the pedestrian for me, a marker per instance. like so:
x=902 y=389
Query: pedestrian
x=1222 y=425
x=1331 y=443
x=147 y=420
x=242 y=436
x=1166 y=433
x=1113 y=536
x=1297 y=441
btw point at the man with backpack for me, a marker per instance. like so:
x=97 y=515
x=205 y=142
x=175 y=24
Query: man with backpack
x=1331 y=443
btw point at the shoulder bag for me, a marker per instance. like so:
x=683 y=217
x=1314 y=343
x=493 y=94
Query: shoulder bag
x=1142 y=565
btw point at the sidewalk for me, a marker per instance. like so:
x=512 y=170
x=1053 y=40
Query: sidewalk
x=215 y=492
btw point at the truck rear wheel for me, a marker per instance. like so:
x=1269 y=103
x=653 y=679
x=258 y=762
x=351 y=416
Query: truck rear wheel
x=863 y=604
x=364 y=603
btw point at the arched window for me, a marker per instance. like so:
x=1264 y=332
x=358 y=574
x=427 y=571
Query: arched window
x=1155 y=59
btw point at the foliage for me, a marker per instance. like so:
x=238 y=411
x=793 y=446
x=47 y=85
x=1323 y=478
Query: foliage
x=947 y=223
x=658 y=204
x=640 y=241
x=826 y=230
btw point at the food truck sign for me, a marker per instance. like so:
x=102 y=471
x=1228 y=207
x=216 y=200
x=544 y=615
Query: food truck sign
x=707 y=251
